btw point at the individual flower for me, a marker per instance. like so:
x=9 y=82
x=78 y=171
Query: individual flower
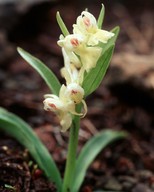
x=71 y=42
x=54 y=104
x=63 y=106
x=76 y=93
x=86 y=25
x=69 y=46
x=75 y=43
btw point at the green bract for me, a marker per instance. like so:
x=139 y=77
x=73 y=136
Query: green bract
x=101 y=17
x=62 y=25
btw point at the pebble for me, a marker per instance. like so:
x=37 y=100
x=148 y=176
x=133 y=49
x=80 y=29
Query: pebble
x=127 y=185
x=113 y=184
x=127 y=182
x=129 y=179
x=145 y=174
x=140 y=187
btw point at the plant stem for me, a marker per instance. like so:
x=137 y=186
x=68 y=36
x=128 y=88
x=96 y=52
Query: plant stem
x=72 y=150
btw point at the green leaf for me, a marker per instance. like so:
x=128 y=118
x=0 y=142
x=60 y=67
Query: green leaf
x=62 y=24
x=89 y=152
x=93 y=79
x=101 y=17
x=49 y=77
x=23 y=133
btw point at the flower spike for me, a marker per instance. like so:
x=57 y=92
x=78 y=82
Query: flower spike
x=81 y=52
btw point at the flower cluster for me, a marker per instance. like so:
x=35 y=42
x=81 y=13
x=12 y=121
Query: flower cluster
x=81 y=52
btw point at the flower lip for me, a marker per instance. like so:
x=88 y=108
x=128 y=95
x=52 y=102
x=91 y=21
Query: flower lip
x=52 y=106
x=73 y=92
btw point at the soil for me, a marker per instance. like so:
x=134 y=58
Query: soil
x=123 y=104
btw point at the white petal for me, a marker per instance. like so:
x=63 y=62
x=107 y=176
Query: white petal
x=88 y=20
x=65 y=122
x=51 y=104
x=103 y=35
x=66 y=75
x=89 y=57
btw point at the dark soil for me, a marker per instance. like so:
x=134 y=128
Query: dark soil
x=18 y=172
x=126 y=165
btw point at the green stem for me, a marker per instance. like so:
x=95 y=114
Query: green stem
x=72 y=151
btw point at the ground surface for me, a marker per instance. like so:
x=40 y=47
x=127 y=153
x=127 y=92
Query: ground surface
x=125 y=101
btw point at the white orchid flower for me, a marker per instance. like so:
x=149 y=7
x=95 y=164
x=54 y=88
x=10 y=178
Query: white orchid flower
x=71 y=42
x=76 y=43
x=66 y=44
x=76 y=93
x=86 y=25
x=57 y=106
x=63 y=106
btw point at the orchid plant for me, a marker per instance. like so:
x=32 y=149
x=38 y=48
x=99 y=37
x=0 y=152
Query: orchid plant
x=87 y=53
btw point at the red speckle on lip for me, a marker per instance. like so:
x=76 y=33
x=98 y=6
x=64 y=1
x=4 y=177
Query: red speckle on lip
x=74 y=42
x=52 y=105
x=86 y=21
x=74 y=92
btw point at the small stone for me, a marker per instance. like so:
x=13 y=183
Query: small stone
x=113 y=184
x=140 y=187
x=127 y=185
x=129 y=179
x=5 y=148
x=145 y=174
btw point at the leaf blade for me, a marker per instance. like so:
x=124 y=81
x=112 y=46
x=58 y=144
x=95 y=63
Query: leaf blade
x=48 y=76
x=92 y=147
x=21 y=131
